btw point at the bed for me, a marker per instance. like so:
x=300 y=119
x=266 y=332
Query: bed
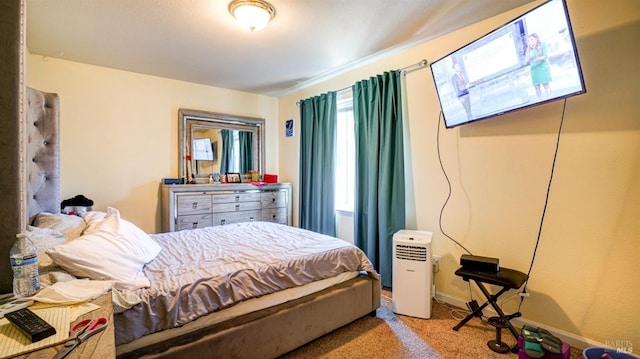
x=249 y=290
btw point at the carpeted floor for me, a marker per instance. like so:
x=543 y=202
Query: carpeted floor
x=396 y=336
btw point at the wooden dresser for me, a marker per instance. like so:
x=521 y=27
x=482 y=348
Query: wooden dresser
x=203 y=205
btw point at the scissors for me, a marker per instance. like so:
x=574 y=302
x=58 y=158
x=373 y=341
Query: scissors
x=80 y=332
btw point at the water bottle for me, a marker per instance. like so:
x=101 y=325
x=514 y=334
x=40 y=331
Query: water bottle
x=24 y=263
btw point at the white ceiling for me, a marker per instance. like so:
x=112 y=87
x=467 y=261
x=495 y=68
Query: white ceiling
x=198 y=41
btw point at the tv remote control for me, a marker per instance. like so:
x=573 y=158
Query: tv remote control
x=30 y=324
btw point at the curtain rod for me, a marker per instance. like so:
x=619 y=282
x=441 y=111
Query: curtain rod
x=404 y=71
x=414 y=67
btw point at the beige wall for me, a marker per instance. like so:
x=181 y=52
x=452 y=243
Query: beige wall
x=119 y=131
x=120 y=136
x=583 y=280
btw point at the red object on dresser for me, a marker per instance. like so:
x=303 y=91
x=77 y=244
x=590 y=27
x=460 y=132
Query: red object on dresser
x=270 y=178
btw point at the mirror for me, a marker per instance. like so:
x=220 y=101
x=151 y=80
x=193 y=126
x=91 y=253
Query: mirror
x=219 y=143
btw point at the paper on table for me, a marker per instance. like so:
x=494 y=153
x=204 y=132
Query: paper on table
x=13 y=342
x=77 y=310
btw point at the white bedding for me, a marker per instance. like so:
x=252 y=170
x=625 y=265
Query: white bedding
x=205 y=270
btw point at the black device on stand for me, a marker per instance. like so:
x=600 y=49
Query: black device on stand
x=483 y=264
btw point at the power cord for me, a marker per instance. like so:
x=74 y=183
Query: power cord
x=524 y=293
x=444 y=172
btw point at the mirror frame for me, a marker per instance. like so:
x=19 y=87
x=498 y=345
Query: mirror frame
x=192 y=119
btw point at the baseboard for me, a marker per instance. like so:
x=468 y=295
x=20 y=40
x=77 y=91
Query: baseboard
x=572 y=339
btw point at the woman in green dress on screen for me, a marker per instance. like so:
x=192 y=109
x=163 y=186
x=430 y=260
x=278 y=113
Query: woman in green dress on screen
x=537 y=57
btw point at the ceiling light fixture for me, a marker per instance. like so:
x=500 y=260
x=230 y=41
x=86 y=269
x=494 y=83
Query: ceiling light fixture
x=252 y=14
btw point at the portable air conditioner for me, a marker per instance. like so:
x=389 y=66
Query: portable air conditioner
x=412 y=267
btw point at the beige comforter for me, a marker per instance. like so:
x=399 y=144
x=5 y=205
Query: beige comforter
x=206 y=270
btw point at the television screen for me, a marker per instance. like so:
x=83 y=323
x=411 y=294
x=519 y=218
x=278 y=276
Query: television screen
x=529 y=61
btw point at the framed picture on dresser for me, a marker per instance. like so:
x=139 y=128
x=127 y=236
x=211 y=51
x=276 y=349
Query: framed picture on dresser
x=233 y=177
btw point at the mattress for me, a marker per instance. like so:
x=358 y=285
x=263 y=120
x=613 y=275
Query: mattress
x=209 y=270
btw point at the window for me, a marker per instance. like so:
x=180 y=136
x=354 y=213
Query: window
x=234 y=147
x=235 y=166
x=345 y=153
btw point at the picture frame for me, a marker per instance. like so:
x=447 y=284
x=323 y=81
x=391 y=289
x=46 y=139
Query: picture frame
x=233 y=177
x=289 y=128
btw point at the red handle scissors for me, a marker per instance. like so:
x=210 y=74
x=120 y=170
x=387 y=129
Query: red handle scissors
x=80 y=332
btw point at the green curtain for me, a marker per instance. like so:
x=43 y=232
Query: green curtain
x=245 y=139
x=226 y=153
x=318 y=117
x=380 y=192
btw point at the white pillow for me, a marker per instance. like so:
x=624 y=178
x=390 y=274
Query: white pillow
x=92 y=218
x=111 y=248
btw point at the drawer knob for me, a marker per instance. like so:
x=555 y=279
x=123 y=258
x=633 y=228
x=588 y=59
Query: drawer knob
x=237 y=207
x=194 y=205
x=250 y=219
x=273 y=199
x=237 y=198
x=222 y=221
x=194 y=225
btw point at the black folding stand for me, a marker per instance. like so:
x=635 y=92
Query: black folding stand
x=506 y=278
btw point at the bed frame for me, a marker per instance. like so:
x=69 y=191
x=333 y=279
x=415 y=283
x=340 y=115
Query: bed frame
x=277 y=330
x=266 y=333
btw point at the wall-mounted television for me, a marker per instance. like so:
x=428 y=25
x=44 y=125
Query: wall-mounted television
x=529 y=61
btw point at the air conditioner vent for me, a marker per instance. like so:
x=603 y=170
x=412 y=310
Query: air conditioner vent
x=411 y=253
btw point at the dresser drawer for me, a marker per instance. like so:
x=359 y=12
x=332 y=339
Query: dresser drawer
x=194 y=221
x=236 y=207
x=234 y=217
x=276 y=215
x=192 y=204
x=236 y=197
x=275 y=199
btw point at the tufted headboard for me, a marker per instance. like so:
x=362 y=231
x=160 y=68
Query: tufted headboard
x=42 y=153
